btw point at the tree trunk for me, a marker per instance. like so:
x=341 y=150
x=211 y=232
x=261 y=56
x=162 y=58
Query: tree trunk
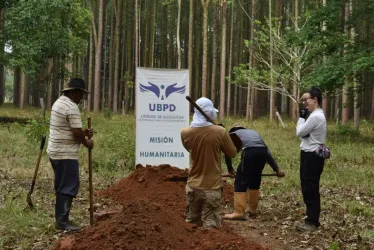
x=178 y=34
x=230 y=61
x=170 y=60
x=130 y=64
x=356 y=85
x=213 y=91
x=136 y=46
x=164 y=38
x=98 y=54
x=2 y=73
x=250 y=94
x=190 y=44
x=112 y=52
x=223 y=61
x=117 y=43
x=49 y=83
x=271 y=115
x=204 y=73
x=152 y=45
x=345 y=101
x=22 y=88
x=197 y=62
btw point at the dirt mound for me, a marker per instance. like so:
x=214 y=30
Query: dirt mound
x=152 y=218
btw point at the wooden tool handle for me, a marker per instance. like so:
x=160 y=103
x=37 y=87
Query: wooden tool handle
x=90 y=175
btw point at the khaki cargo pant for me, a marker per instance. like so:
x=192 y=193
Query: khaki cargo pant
x=204 y=205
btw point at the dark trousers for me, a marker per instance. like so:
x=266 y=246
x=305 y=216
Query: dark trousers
x=248 y=173
x=66 y=176
x=311 y=168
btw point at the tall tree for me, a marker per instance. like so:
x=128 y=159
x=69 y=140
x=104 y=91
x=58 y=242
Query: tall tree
x=2 y=72
x=205 y=4
x=250 y=93
x=223 y=61
x=98 y=54
x=213 y=89
x=295 y=86
x=190 y=44
x=153 y=32
x=230 y=60
x=22 y=90
x=345 y=93
x=272 y=103
x=117 y=55
x=178 y=34
x=356 y=85
x=114 y=8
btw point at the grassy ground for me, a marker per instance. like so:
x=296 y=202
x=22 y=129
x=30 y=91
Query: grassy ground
x=347 y=188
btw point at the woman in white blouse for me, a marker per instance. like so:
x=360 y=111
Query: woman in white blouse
x=312 y=132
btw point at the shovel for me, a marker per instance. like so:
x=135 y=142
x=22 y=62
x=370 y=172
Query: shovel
x=90 y=177
x=29 y=201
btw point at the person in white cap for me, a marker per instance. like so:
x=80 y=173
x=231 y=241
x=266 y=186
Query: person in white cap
x=65 y=136
x=205 y=142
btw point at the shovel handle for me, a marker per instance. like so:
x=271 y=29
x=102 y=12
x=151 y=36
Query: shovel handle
x=90 y=175
x=42 y=143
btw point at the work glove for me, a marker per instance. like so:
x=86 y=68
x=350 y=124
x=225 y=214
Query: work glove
x=280 y=173
x=303 y=113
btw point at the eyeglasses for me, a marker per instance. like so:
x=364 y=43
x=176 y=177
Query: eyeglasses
x=307 y=99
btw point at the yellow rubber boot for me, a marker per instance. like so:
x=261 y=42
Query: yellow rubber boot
x=239 y=207
x=253 y=197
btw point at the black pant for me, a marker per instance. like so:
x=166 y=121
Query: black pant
x=66 y=176
x=311 y=168
x=248 y=173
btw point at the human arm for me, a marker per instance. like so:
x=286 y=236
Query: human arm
x=80 y=136
x=227 y=146
x=230 y=168
x=273 y=164
x=303 y=128
x=75 y=122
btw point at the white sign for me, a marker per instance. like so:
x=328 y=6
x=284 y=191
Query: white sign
x=161 y=112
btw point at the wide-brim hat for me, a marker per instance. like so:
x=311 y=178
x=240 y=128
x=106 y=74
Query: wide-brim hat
x=76 y=83
x=236 y=127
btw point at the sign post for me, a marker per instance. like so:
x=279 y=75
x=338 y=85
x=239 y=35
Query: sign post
x=161 y=112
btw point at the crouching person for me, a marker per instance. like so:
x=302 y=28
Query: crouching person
x=205 y=142
x=255 y=155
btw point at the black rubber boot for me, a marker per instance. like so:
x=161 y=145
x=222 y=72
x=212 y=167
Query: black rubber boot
x=62 y=211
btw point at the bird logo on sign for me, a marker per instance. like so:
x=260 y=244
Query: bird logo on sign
x=158 y=91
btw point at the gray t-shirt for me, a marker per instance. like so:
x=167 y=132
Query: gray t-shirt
x=250 y=138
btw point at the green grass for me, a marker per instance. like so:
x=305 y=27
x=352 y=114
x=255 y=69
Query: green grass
x=346 y=184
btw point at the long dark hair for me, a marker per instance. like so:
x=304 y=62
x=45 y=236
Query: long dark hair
x=315 y=92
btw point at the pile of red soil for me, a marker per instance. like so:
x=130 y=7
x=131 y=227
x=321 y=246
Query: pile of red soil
x=152 y=218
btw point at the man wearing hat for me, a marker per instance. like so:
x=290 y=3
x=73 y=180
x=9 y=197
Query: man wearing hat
x=65 y=136
x=205 y=141
x=255 y=154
